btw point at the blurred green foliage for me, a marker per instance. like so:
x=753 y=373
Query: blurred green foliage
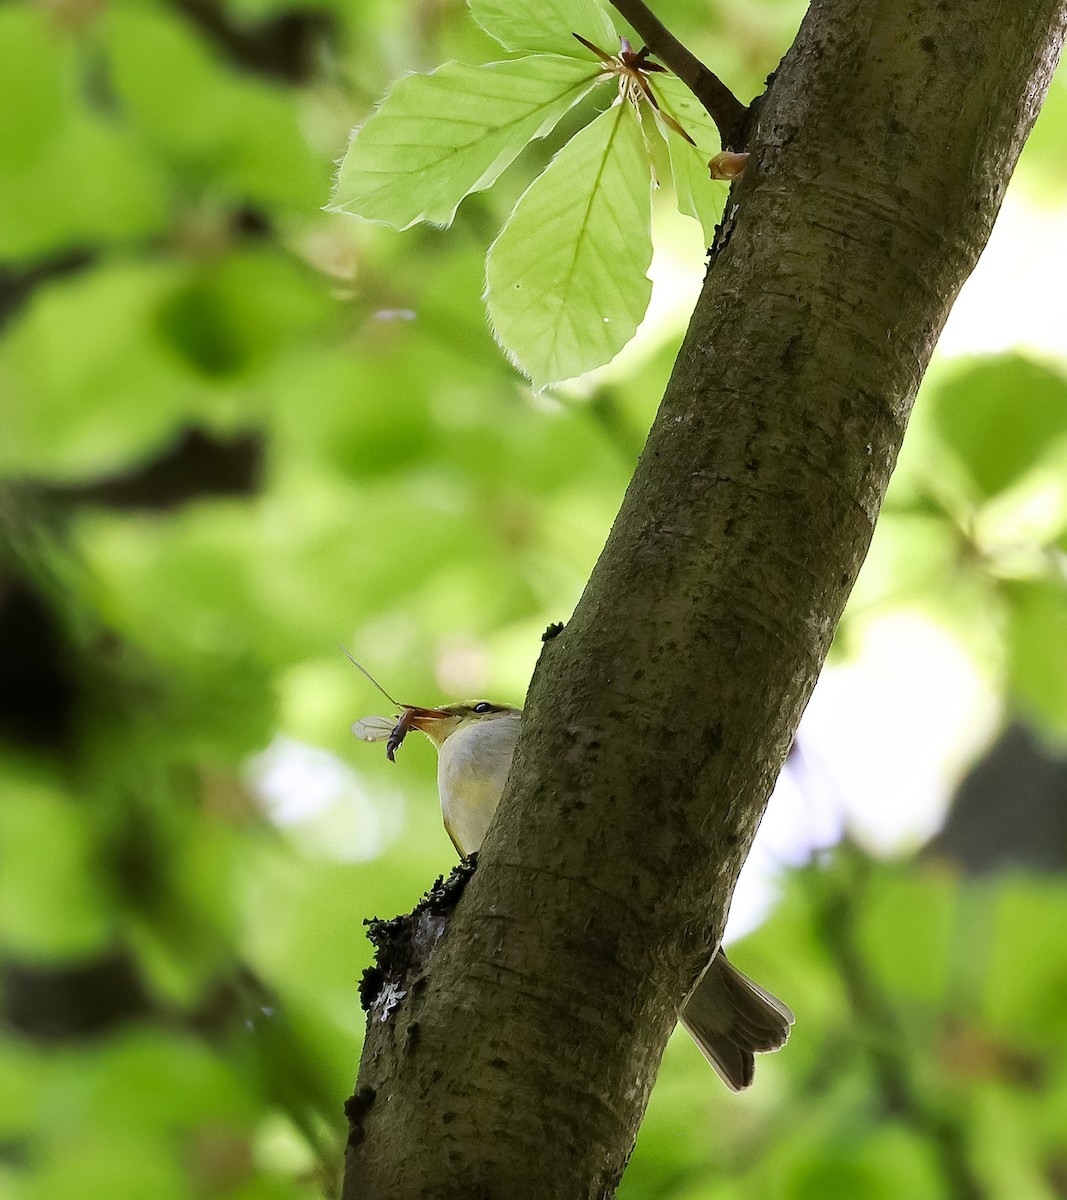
x=235 y=430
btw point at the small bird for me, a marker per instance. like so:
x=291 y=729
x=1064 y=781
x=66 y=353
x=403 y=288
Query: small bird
x=730 y=1017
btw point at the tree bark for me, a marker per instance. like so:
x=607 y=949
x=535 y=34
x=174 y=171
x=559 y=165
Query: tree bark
x=519 y=1062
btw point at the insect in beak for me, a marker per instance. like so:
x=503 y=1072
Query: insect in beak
x=411 y=718
x=392 y=732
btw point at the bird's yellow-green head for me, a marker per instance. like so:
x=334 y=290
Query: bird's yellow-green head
x=440 y=723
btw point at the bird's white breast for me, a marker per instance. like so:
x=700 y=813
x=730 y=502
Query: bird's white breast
x=472 y=768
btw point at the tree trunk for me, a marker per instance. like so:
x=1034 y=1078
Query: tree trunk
x=519 y=1062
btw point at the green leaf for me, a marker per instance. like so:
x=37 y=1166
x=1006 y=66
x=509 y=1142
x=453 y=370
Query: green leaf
x=31 y=84
x=1037 y=650
x=566 y=283
x=696 y=193
x=1023 y=981
x=438 y=137
x=694 y=189
x=50 y=904
x=213 y=124
x=999 y=416
x=120 y=194
x=549 y=26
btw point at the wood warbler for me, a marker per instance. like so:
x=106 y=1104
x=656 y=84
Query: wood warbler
x=728 y=1016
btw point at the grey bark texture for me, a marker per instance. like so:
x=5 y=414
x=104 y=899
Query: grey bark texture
x=519 y=1062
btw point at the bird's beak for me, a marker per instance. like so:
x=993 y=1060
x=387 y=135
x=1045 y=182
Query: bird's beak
x=427 y=721
x=413 y=717
x=420 y=718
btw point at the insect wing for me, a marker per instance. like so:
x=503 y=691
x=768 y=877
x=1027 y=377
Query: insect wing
x=373 y=729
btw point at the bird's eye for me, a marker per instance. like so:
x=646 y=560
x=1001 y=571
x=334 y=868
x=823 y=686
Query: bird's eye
x=483 y=706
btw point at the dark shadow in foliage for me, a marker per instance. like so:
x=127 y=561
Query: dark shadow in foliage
x=286 y=46
x=38 y=695
x=1011 y=810
x=73 y=1000
x=196 y=466
x=17 y=284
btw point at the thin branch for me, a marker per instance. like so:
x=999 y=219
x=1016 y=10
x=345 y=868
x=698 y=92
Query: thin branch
x=728 y=113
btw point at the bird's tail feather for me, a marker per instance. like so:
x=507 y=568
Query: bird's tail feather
x=731 y=1018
